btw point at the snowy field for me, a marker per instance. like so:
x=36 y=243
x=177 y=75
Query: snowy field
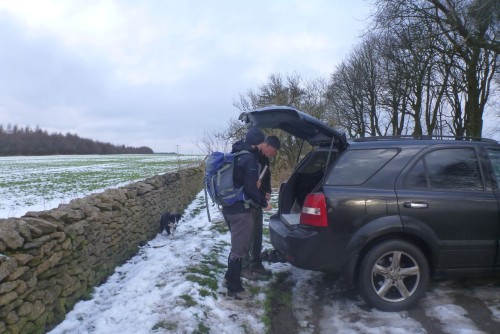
x=42 y=183
x=173 y=285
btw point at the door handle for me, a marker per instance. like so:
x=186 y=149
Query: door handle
x=412 y=205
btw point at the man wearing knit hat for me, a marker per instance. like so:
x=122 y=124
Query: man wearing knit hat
x=252 y=265
x=238 y=215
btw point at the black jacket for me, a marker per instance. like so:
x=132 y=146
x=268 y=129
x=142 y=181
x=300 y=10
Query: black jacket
x=246 y=174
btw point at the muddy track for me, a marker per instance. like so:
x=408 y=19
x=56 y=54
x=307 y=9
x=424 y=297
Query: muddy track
x=282 y=319
x=323 y=303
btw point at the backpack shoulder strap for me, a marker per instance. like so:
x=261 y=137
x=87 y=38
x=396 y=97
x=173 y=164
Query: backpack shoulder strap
x=242 y=152
x=237 y=154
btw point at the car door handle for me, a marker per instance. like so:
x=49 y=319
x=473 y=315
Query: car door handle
x=412 y=205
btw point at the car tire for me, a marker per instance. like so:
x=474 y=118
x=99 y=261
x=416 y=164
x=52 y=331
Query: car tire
x=393 y=275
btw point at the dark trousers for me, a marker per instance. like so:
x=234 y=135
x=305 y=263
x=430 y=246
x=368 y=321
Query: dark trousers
x=256 y=242
x=241 y=227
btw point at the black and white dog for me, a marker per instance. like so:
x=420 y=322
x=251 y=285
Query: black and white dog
x=168 y=222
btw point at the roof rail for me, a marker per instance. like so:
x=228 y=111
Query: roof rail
x=423 y=137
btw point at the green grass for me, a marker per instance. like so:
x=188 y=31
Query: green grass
x=220 y=226
x=203 y=281
x=205 y=293
x=188 y=300
x=170 y=326
x=207 y=271
x=40 y=180
x=202 y=329
x=278 y=296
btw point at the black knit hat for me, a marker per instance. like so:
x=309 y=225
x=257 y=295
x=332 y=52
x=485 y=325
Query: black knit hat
x=273 y=141
x=254 y=136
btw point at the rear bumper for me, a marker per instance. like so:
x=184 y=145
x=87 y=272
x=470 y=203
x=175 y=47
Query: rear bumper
x=307 y=247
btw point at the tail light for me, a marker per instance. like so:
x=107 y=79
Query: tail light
x=314 y=211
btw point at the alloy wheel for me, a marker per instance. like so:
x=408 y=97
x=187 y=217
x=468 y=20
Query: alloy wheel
x=395 y=276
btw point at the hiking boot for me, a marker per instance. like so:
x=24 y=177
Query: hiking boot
x=240 y=295
x=260 y=270
x=249 y=274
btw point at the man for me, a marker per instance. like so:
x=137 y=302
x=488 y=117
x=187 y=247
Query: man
x=252 y=266
x=238 y=215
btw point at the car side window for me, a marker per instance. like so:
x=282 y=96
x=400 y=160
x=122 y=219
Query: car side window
x=417 y=178
x=357 y=166
x=451 y=169
x=495 y=161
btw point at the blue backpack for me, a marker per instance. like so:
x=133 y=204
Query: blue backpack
x=218 y=181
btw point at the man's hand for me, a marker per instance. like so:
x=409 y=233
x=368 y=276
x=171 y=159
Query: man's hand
x=269 y=207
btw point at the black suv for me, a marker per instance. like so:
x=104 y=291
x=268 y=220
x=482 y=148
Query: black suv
x=387 y=213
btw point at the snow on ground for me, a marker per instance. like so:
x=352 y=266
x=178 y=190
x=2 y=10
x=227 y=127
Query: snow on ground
x=171 y=285
x=174 y=286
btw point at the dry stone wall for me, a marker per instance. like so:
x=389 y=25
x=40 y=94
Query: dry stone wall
x=51 y=259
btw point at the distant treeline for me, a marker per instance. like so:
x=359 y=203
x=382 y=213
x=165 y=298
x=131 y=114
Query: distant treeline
x=15 y=140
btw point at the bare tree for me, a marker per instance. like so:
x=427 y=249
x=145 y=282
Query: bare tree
x=211 y=142
x=346 y=104
x=366 y=59
x=477 y=22
x=289 y=90
x=368 y=92
x=464 y=32
x=395 y=85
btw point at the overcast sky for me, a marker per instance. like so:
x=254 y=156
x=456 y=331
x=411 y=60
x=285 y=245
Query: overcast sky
x=159 y=73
